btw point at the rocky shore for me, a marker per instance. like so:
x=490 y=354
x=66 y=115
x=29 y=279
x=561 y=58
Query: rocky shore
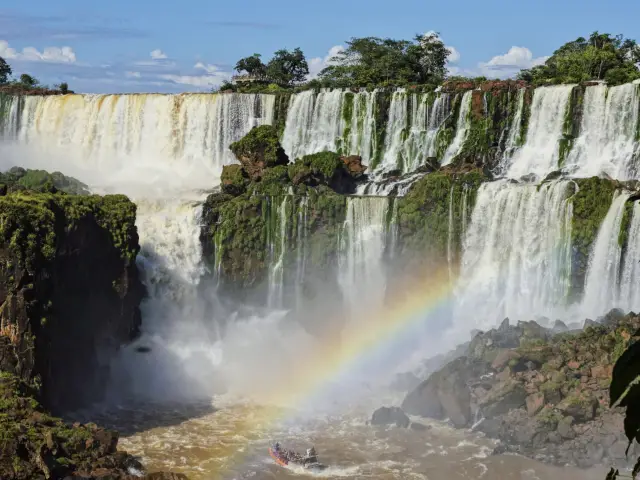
x=544 y=393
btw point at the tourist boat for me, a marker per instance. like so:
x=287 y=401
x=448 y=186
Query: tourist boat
x=287 y=458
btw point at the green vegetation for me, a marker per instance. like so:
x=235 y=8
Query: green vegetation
x=373 y=61
x=284 y=70
x=600 y=57
x=261 y=142
x=25 y=82
x=18 y=178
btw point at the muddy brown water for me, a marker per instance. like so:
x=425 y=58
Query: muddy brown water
x=231 y=441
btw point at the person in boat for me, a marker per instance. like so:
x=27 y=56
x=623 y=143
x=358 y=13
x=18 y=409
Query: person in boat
x=311 y=457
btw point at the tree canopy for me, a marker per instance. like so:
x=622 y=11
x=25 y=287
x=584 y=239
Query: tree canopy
x=251 y=65
x=5 y=71
x=600 y=57
x=288 y=67
x=385 y=61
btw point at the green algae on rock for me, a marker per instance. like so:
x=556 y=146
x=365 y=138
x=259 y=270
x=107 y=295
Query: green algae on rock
x=259 y=149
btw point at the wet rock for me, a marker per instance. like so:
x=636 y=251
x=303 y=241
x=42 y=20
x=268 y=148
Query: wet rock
x=419 y=427
x=565 y=429
x=390 y=416
x=445 y=394
x=234 y=180
x=505 y=396
x=559 y=327
x=354 y=165
x=165 y=476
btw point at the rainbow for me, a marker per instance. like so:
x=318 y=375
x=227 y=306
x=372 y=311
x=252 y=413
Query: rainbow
x=356 y=345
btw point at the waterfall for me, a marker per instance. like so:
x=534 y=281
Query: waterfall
x=629 y=296
x=516 y=254
x=191 y=132
x=514 y=137
x=314 y=123
x=601 y=284
x=450 y=233
x=540 y=153
x=462 y=129
x=277 y=242
x=607 y=140
x=362 y=137
x=397 y=125
x=363 y=239
x=301 y=248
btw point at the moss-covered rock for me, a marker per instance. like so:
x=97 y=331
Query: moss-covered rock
x=324 y=168
x=234 y=180
x=259 y=149
x=34 y=444
x=65 y=259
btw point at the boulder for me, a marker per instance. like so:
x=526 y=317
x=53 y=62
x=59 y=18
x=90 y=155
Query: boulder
x=507 y=395
x=259 y=149
x=390 y=416
x=446 y=394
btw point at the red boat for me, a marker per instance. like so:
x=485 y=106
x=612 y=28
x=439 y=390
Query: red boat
x=285 y=458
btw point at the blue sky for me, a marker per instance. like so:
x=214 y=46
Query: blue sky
x=192 y=45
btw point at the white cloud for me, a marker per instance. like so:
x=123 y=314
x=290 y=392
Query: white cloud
x=213 y=78
x=31 y=54
x=507 y=65
x=132 y=74
x=158 y=54
x=317 y=64
x=454 y=55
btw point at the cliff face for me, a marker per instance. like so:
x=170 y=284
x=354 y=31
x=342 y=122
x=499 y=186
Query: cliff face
x=69 y=291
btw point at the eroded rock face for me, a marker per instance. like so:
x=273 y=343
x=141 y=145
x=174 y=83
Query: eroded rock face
x=69 y=291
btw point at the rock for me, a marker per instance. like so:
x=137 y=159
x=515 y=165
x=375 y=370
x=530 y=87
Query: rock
x=445 y=393
x=580 y=406
x=589 y=323
x=75 y=261
x=559 y=327
x=389 y=416
x=565 y=429
x=504 y=358
x=614 y=317
x=165 y=476
x=354 y=165
x=259 y=149
x=535 y=402
x=602 y=371
x=234 y=180
x=508 y=395
x=324 y=168
x=504 y=326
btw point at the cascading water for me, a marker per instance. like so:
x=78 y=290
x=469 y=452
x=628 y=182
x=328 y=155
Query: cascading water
x=191 y=131
x=607 y=141
x=515 y=129
x=277 y=241
x=540 y=153
x=314 y=123
x=362 y=247
x=516 y=254
x=601 y=284
x=362 y=136
x=629 y=294
x=462 y=129
x=397 y=126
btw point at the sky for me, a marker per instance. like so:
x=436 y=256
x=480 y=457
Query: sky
x=192 y=45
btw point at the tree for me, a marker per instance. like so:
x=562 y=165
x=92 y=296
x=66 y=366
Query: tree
x=28 y=80
x=5 y=71
x=251 y=65
x=385 y=61
x=288 y=67
x=601 y=57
